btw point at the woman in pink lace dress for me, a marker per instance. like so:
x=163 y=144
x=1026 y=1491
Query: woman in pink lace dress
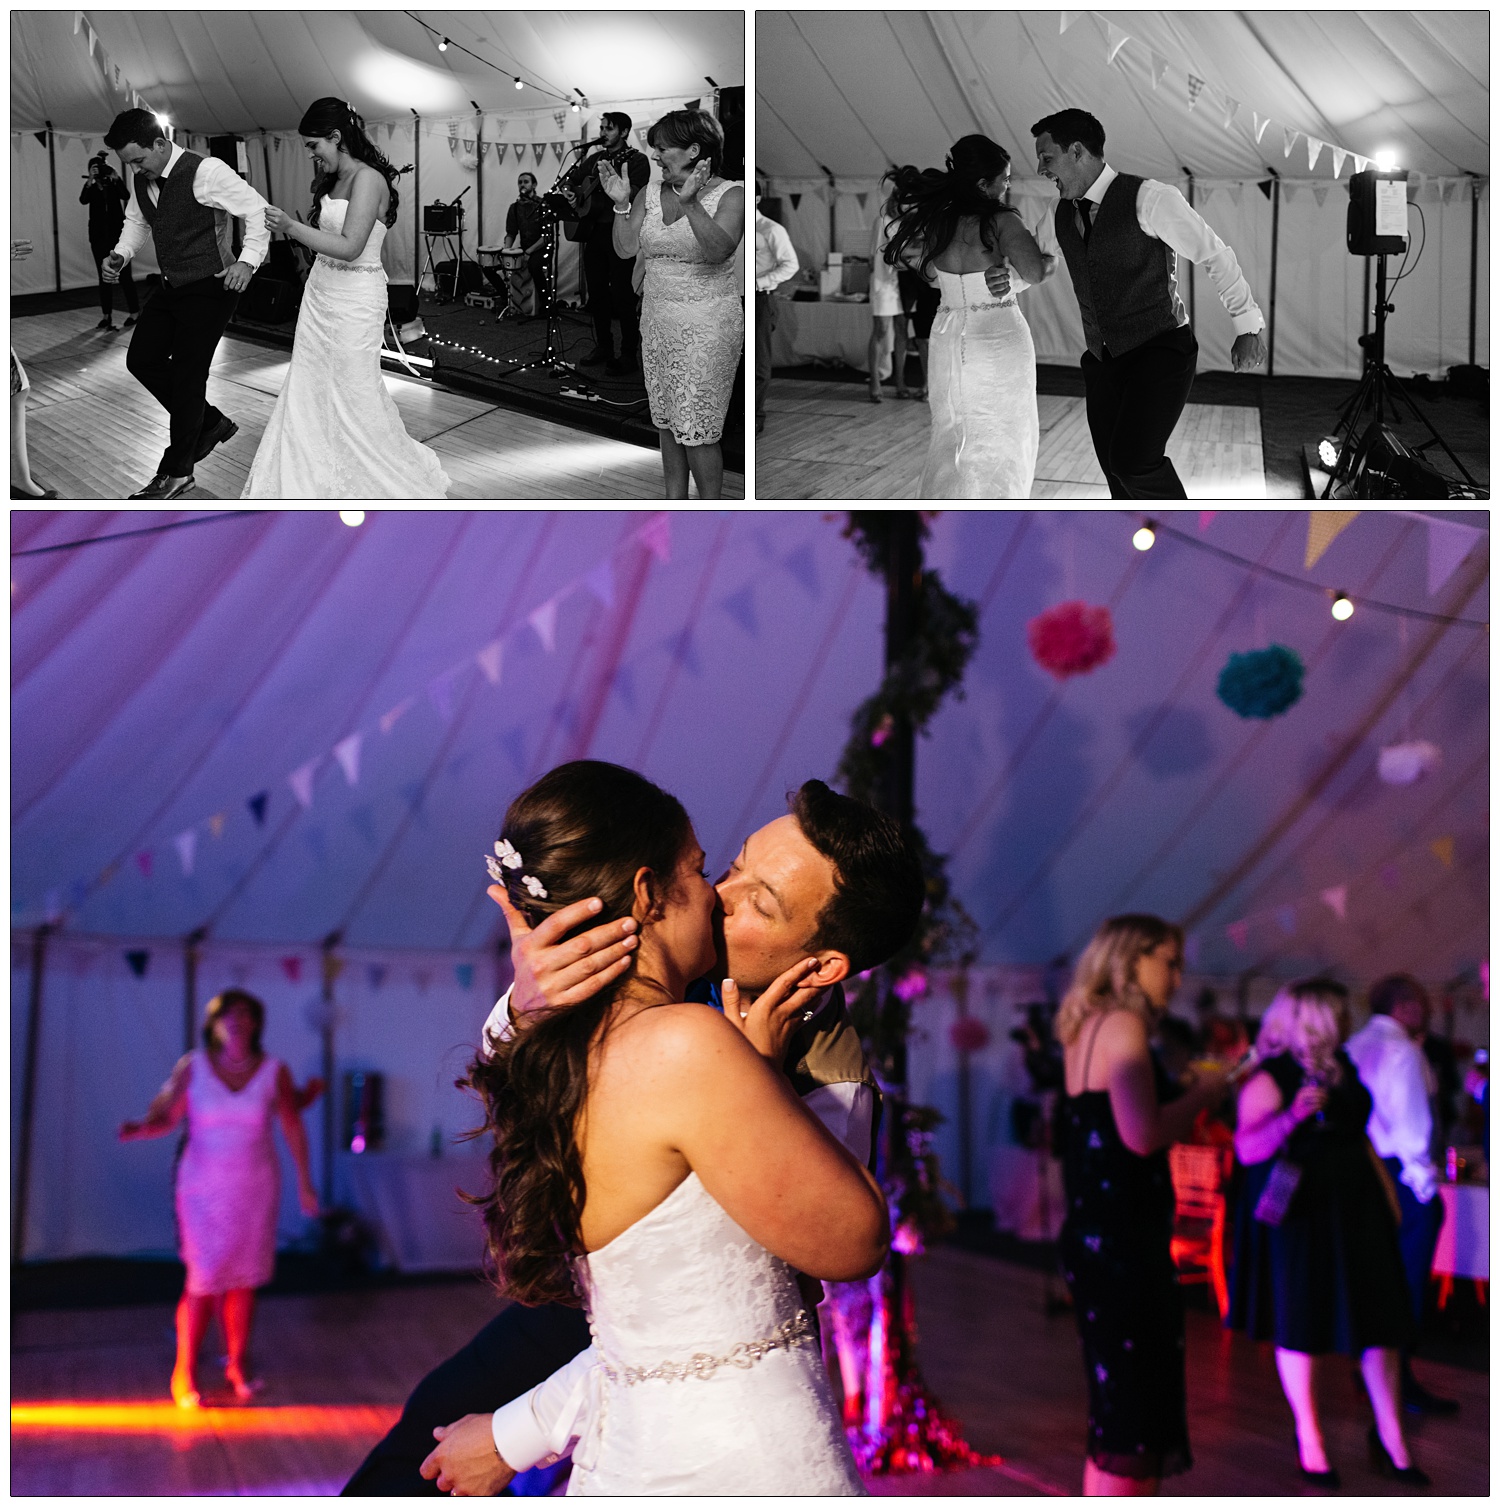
x=693 y=307
x=228 y=1185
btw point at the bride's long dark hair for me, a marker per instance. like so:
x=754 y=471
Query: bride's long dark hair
x=323 y=118
x=583 y=829
x=928 y=205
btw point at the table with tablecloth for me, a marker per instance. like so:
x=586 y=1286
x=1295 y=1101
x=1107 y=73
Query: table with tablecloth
x=829 y=330
x=1463 y=1247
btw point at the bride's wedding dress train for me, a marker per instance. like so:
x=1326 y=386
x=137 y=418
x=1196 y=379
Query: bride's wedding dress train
x=335 y=431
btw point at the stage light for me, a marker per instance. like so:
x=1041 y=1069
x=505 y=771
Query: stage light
x=351 y=516
x=1385 y=161
x=1328 y=450
x=1343 y=608
x=1144 y=537
x=443 y=45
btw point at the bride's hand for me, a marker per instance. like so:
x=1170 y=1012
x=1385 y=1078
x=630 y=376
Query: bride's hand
x=997 y=280
x=617 y=187
x=768 y=1023
x=277 y=219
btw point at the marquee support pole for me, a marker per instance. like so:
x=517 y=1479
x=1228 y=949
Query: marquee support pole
x=52 y=183
x=28 y=1088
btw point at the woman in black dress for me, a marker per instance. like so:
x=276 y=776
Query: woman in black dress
x=1326 y=1276
x=1116 y=1242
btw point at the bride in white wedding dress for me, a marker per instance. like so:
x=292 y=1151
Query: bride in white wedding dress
x=981 y=363
x=649 y=1160
x=335 y=431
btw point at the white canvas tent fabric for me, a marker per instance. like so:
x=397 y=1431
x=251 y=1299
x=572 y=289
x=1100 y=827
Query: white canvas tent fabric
x=253 y=73
x=380 y=695
x=1215 y=102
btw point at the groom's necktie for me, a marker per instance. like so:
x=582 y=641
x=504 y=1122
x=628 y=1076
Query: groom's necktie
x=1083 y=213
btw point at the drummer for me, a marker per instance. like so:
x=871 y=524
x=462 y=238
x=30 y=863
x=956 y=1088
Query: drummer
x=523 y=224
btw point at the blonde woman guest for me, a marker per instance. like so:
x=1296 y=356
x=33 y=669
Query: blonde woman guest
x=692 y=309
x=228 y=1184
x=1119 y=1118
x=1328 y=1276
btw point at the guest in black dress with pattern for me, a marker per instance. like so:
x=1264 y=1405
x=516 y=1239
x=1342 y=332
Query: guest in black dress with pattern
x=1116 y=1241
x=1328 y=1276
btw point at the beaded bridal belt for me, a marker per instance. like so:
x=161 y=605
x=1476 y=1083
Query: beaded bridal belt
x=336 y=265
x=795 y=1331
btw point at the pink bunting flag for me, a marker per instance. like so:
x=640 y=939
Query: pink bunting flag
x=347 y=753
x=490 y=659
x=396 y=713
x=1335 y=899
x=544 y=623
x=1238 y=932
x=216 y=825
x=1204 y=519
x=292 y=967
x=657 y=537
x=301 y=781
x=186 y=844
x=143 y=861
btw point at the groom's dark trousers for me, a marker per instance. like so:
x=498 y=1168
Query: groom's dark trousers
x=514 y=1352
x=1134 y=402
x=170 y=353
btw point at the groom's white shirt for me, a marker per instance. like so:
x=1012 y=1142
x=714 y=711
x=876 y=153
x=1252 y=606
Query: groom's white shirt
x=216 y=185
x=1164 y=215
x=544 y=1424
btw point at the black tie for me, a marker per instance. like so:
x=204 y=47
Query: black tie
x=1084 y=210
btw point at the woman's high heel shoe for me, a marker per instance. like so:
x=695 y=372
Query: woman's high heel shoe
x=1328 y=1478
x=1380 y=1458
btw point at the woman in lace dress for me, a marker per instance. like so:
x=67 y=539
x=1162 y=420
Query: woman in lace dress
x=981 y=361
x=335 y=430
x=623 y=1174
x=693 y=306
x=228 y=1184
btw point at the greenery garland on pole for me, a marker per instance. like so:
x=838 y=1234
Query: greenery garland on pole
x=894 y=1425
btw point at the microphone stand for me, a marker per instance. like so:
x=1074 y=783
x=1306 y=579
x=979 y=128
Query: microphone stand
x=551 y=359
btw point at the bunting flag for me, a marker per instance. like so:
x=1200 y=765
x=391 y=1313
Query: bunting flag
x=1320 y=193
x=1362 y=164
x=143 y=861
x=452 y=130
x=1286 y=918
x=292 y=967
x=375 y=972
x=1390 y=876
x=657 y=537
x=1068 y=18
x=1231 y=109
x=1338 y=159
x=396 y=713
x=468 y=143
x=1204 y=519
x=484 y=147
x=803 y=568
x=1195 y=88
x=1236 y=192
x=1442 y=850
x=440 y=693
x=1447 y=545
x=139 y=960
x=464 y=973
x=1158 y=69
x=301 y=781
x=561 y=117
x=519 y=148
x=741 y=607
x=863 y=197
x=216 y=825
x=1314 y=151
x=1260 y=125
x=186 y=844
x=1322 y=529
x=1289 y=140
x=1335 y=899
x=544 y=622
x=490 y=659
x=539 y=150
x=1238 y=932
x=1117 y=39
x=347 y=753
x=601 y=582
x=796 y=199
x=421 y=977
x=557 y=150
x=453 y=147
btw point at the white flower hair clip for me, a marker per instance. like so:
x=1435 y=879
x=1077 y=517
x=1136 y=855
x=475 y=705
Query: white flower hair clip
x=509 y=858
x=534 y=886
x=507 y=854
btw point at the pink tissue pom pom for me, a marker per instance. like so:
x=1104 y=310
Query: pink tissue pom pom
x=1071 y=638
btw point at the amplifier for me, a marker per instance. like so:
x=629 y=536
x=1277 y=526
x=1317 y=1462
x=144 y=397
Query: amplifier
x=443 y=219
x=403 y=302
x=268 y=300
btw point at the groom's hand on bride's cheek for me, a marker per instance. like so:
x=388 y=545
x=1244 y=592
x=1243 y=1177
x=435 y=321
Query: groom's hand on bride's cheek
x=553 y=972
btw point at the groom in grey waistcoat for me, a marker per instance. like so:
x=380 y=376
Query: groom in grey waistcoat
x=192 y=209
x=1121 y=237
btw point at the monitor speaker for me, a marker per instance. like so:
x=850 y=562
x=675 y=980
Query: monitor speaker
x=1377 y=213
x=403 y=303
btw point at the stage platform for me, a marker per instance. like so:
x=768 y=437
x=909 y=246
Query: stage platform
x=94 y=432
x=90 y=1417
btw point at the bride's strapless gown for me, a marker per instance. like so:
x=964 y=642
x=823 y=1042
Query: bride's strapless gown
x=335 y=430
x=981 y=386
x=711 y=1381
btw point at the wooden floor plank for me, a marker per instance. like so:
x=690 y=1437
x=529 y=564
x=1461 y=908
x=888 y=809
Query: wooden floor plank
x=94 y=432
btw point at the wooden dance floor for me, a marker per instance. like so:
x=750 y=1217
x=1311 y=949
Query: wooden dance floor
x=94 y=432
x=89 y=1415
x=827 y=440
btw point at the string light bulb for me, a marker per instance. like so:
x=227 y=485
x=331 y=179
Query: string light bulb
x=1145 y=536
x=443 y=45
x=519 y=84
x=1343 y=608
x=351 y=517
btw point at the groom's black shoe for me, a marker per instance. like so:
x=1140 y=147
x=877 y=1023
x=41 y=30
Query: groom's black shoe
x=601 y=355
x=225 y=429
x=164 y=488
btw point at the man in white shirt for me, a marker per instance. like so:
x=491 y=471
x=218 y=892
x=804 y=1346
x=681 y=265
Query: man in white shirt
x=1121 y=236
x=775 y=262
x=1388 y=1055
x=188 y=206
x=830 y=888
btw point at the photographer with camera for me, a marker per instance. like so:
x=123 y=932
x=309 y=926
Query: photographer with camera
x=105 y=194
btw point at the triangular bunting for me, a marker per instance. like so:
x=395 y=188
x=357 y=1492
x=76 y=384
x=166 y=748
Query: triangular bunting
x=301 y=781
x=490 y=660
x=1289 y=140
x=1260 y=125
x=375 y=973
x=292 y=967
x=396 y=713
x=440 y=693
x=539 y=150
x=216 y=825
x=796 y=199
x=186 y=844
x=1335 y=899
x=657 y=537
x=1195 y=88
x=1447 y=545
x=1323 y=527
x=347 y=753
x=1320 y=193
x=1238 y=932
x=684 y=652
x=362 y=819
x=1117 y=39
x=544 y=622
x=1314 y=151
x=1204 y=519
x=1236 y=191
x=1231 y=109
x=803 y=569
x=1442 y=850
x=1158 y=69
x=464 y=973
x=139 y=960
x=514 y=744
x=1068 y=18
x=601 y=582
x=1338 y=159
x=519 y=148
x=741 y=607
x=143 y=861
x=557 y=150
x=863 y=197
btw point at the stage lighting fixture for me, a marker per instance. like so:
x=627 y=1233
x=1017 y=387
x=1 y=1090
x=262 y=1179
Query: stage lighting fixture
x=1144 y=537
x=1343 y=608
x=1385 y=161
x=1328 y=451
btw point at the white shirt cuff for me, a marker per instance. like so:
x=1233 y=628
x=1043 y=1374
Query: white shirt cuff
x=519 y=1438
